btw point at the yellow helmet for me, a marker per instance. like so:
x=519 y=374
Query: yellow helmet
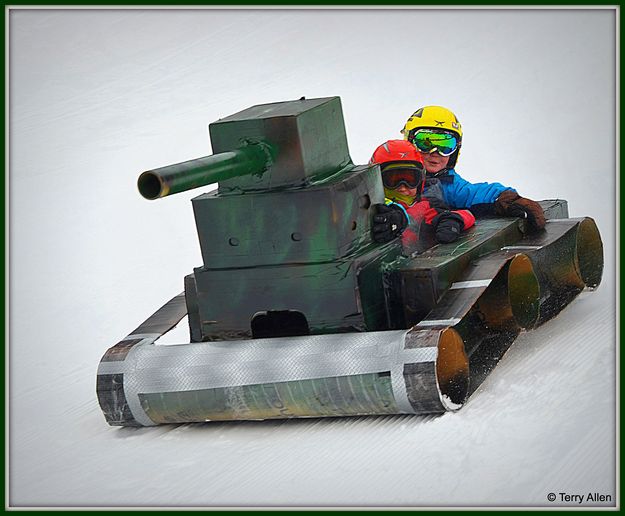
x=434 y=117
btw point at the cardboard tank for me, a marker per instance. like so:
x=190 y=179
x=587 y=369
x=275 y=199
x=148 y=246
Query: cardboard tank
x=297 y=312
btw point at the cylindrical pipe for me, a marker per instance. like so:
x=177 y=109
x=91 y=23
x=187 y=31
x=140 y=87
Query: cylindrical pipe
x=567 y=259
x=589 y=253
x=251 y=159
x=389 y=372
x=512 y=300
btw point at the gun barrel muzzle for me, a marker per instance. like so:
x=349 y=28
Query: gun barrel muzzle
x=248 y=160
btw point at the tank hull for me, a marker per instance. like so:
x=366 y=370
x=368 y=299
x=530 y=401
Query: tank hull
x=453 y=311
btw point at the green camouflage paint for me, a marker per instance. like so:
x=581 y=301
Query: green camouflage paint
x=337 y=396
x=294 y=239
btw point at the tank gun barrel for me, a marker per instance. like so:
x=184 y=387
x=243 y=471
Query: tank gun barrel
x=251 y=159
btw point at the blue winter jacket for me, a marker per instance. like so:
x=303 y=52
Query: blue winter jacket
x=458 y=193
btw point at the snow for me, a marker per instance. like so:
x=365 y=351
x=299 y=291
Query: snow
x=97 y=96
x=449 y=404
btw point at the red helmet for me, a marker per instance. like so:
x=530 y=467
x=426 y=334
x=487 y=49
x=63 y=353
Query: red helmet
x=399 y=160
x=396 y=150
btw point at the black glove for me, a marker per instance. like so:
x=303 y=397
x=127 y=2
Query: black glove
x=512 y=204
x=389 y=222
x=448 y=227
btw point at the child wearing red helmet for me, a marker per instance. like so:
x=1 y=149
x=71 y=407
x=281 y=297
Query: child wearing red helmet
x=405 y=211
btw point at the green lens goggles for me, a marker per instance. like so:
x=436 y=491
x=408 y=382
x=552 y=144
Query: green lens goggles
x=427 y=140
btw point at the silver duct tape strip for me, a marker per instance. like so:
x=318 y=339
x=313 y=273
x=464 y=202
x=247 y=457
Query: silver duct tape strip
x=285 y=354
x=521 y=247
x=188 y=367
x=398 y=382
x=470 y=284
x=144 y=336
x=439 y=322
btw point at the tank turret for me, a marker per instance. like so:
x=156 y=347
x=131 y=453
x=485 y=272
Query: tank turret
x=289 y=197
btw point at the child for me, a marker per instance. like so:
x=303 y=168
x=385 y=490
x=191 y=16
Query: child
x=403 y=177
x=437 y=134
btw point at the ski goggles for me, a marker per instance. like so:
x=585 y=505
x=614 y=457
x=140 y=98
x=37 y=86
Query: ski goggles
x=395 y=175
x=428 y=140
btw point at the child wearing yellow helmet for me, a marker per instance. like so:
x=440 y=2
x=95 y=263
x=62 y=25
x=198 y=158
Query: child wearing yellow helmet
x=437 y=134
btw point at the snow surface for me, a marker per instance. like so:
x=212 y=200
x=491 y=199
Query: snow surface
x=97 y=96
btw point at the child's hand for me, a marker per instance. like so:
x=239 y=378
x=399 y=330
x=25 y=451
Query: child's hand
x=448 y=227
x=512 y=204
x=388 y=223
